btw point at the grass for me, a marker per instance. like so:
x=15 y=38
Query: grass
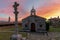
x=52 y=29
x=10 y=28
x=7 y=35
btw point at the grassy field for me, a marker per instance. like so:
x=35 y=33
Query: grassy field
x=6 y=35
x=9 y=28
x=57 y=29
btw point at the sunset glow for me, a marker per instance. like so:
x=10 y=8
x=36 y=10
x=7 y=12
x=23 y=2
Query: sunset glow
x=54 y=13
x=44 y=8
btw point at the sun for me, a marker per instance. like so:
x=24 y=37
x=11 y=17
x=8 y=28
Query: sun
x=53 y=13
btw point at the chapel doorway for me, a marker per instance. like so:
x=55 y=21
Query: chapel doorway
x=33 y=27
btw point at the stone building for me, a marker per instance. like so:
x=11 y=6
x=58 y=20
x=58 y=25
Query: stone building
x=33 y=22
x=55 y=22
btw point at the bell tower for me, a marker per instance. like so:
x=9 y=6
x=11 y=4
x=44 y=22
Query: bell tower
x=33 y=11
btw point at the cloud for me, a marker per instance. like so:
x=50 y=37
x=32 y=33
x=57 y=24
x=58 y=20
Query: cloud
x=3 y=19
x=9 y=10
x=44 y=11
x=48 y=11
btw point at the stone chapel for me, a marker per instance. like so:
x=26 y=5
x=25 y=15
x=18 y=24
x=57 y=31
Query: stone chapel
x=34 y=23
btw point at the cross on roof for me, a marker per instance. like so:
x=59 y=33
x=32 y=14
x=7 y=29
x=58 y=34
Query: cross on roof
x=15 y=6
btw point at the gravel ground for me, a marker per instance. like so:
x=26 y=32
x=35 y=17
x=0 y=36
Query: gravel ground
x=51 y=36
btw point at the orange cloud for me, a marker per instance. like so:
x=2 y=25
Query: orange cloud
x=48 y=11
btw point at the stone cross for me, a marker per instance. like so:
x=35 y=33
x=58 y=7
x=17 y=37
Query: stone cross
x=16 y=16
x=15 y=7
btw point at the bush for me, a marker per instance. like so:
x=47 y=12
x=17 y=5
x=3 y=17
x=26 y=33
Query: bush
x=47 y=26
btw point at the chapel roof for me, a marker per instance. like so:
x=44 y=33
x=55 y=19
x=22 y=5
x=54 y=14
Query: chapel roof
x=35 y=16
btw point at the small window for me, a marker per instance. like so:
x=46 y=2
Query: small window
x=40 y=25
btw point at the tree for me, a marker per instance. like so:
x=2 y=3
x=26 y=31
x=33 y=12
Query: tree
x=47 y=26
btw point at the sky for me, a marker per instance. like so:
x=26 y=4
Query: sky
x=44 y=8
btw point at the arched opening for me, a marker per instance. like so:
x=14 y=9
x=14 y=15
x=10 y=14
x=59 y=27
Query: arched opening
x=33 y=27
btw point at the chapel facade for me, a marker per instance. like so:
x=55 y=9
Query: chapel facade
x=34 y=23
